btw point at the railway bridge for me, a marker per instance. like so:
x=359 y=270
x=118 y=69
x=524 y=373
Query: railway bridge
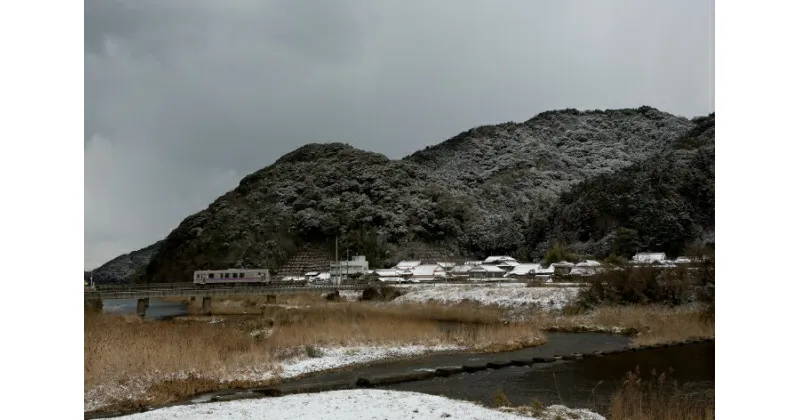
x=143 y=292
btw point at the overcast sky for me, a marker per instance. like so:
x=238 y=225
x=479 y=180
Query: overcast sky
x=185 y=97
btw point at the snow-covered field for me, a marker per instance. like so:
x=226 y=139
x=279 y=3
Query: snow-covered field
x=507 y=296
x=329 y=358
x=350 y=405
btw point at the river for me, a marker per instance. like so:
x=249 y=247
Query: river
x=158 y=308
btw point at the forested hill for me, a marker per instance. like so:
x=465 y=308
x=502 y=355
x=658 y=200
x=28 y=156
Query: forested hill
x=489 y=190
x=660 y=204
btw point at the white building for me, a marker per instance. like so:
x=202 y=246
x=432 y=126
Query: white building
x=342 y=269
x=649 y=258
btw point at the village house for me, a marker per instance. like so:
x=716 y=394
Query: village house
x=448 y=266
x=486 y=272
x=461 y=272
x=406 y=265
x=428 y=272
x=649 y=258
x=586 y=268
x=524 y=270
x=343 y=269
x=562 y=268
x=388 y=275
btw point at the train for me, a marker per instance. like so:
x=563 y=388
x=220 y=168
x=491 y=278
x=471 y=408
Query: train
x=232 y=276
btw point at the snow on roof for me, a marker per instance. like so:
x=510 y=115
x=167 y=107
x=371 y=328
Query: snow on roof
x=386 y=272
x=494 y=259
x=523 y=269
x=390 y=279
x=588 y=263
x=548 y=270
x=462 y=269
x=447 y=264
x=312 y=273
x=425 y=270
x=488 y=268
x=508 y=264
x=324 y=276
x=649 y=256
x=408 y=264
x=473 y=263
x=562 y=264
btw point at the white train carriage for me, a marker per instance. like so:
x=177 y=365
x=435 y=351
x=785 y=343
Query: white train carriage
x=232 y=276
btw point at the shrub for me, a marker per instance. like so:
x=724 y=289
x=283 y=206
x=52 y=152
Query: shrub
x=500 y=399
x=312 y=351
x=642 y=285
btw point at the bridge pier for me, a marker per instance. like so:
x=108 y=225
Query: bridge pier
x=207 y=305
x=93 y=305
x=141 y=306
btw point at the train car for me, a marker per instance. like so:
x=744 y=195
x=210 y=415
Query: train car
x=232 y=276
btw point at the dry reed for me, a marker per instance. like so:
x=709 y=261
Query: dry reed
x=659 y=399
x=655 y=324
x=179 y=358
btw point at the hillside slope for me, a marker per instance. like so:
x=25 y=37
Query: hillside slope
x=488 y=190
x=121 y=268
x=660 y=204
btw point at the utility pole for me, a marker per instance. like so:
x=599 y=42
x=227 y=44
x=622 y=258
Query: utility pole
x=347 y=267
x=338 y=264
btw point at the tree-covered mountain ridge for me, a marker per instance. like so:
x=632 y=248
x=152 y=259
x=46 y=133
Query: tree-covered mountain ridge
x=489 y=190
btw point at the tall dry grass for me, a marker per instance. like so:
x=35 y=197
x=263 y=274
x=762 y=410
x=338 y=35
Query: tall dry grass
x=178 y=358
x=658 y=398
x=656 y=324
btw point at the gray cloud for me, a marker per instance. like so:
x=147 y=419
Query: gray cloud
x=185 y=97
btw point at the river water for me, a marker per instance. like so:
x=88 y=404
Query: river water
x=158 y=308
x=583 y=383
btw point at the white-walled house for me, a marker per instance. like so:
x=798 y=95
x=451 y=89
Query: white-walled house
x=342 y=269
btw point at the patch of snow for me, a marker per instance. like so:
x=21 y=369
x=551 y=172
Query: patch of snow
x=338 y=405
x=554 y=412
x=350 y=294
x=337 y=357
x=508 y=297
